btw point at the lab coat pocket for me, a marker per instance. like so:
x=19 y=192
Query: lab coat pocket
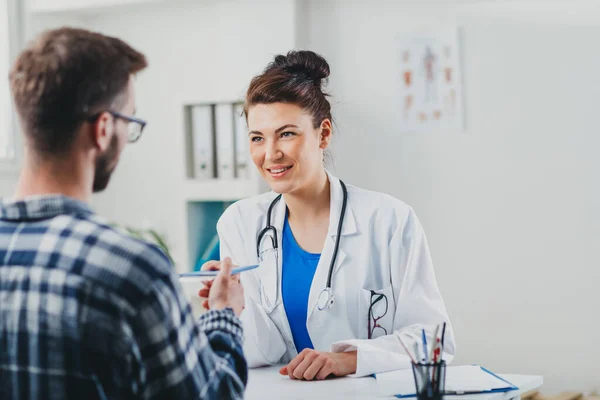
x=376 y=312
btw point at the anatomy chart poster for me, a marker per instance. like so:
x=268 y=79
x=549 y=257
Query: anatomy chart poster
x=430 y=82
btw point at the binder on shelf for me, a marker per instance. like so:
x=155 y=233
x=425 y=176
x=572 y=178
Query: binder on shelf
x=202 y=131
x=224 y=137
x=242 y=156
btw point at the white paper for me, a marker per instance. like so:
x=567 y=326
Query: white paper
x=396 y=382
x=471 y=378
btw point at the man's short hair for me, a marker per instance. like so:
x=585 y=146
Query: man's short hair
x=65 y=76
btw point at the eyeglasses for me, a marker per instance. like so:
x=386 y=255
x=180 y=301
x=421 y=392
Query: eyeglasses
x=374 y=317
x=135 y=125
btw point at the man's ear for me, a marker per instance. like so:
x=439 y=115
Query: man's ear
x=102 y=131
x=326 y=133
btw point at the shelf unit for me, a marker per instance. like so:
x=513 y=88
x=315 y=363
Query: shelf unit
x=207 y=198
x=220 y=190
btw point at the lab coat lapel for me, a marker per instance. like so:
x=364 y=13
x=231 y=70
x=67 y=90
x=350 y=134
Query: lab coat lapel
x=319 y=281
x=273 y=280
x=348 y=227
x=336 y=199
x=278 y=220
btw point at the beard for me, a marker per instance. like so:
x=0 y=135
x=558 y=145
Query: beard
x=105 y=165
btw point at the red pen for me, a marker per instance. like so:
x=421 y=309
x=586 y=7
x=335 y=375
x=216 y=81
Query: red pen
x=436 y=350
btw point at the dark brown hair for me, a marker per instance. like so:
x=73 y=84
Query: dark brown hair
x=295 y=78
x=66 y=75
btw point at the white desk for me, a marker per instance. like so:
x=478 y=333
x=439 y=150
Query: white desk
x=266 y=383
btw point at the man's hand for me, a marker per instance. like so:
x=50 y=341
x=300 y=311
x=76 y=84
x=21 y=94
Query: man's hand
x=311 y=364
x=225 y=290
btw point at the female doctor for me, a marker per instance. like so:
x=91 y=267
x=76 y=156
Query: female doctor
x=344 y=272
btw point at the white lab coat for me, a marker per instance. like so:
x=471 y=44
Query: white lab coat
x=382 y=248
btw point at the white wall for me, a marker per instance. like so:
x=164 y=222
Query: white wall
x=7 y=184
x=512 y=206
x=32 y=25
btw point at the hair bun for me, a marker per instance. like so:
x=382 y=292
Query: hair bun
x=305 y=63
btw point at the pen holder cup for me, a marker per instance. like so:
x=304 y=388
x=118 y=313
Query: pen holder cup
x=430 y=380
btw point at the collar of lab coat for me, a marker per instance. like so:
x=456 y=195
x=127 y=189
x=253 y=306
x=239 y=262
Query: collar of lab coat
x=335 y=209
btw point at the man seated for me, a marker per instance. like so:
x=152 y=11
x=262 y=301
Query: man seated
x=86 y=312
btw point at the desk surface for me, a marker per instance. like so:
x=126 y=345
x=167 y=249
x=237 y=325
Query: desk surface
x=266 y=383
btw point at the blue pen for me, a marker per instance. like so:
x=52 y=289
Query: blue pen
x=215 y=273
x=426 y=359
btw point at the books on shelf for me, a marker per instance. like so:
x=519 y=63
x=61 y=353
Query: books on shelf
x=218 y=141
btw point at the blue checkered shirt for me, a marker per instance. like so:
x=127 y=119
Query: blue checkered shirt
x=87 y=312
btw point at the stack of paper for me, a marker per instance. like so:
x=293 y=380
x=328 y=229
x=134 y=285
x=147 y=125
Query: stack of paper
x=459 y=380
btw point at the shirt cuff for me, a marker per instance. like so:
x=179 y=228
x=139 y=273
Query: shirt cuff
x=222 y=320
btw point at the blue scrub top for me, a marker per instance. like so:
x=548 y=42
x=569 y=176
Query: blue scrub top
x=298 y=270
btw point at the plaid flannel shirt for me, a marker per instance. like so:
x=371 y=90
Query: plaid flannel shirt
x=89 y=313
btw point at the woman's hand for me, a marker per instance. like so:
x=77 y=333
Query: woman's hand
x=311 y=364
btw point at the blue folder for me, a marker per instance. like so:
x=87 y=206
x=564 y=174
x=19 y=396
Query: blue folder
x=210 y=253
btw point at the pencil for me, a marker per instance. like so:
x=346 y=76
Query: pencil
x=406 y=349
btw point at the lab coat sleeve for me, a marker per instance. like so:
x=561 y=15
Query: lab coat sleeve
x=263 y=344
x=419 y=305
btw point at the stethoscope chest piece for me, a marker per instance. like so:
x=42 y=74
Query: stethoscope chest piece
x=326 y=299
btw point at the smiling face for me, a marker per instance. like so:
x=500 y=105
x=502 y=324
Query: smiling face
x=286 y=147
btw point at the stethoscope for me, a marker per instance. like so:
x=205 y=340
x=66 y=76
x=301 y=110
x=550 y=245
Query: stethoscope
x=326 y=298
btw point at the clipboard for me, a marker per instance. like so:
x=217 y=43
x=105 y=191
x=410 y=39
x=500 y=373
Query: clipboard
x=401 y=383
x=508 y=388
